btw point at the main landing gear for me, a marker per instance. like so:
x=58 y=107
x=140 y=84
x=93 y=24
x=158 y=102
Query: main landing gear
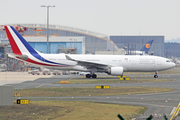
x=156 y=76
x=89 y=76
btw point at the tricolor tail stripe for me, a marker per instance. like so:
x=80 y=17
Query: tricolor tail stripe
x=20 y=46
x=24 y=42
x=14 y=46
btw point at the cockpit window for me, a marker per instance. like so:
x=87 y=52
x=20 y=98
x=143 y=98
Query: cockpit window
x=168 y=61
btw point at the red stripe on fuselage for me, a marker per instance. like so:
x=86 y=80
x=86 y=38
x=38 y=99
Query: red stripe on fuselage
x=35 y=62
x=14 y=46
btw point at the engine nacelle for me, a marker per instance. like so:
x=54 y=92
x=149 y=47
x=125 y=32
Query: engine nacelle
x=115 y=71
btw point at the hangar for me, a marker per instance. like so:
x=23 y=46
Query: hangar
x=92 y=41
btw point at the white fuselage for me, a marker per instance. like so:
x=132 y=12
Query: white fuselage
x=111 y=64
x=130 y=63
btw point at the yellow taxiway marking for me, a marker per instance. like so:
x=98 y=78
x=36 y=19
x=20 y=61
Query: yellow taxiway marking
x=175 y=112
x=39 y=85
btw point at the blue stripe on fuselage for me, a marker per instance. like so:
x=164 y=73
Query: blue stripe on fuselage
x=31 y=50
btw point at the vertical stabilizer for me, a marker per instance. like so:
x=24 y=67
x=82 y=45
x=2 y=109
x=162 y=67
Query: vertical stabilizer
x=18 y=44
x=147 y=46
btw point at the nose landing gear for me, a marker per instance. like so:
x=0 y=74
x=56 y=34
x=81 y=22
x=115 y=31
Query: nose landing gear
x=156 y=76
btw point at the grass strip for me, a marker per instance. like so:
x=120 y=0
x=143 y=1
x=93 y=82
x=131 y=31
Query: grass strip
x=69 y=110
x=58 y=92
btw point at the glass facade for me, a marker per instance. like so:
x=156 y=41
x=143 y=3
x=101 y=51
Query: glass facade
x=54 y=46
x=135 y=43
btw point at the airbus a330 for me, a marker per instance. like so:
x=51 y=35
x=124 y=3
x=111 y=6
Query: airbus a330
x=111 y=64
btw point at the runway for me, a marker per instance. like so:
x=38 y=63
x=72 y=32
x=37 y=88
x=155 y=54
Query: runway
x=157 y=103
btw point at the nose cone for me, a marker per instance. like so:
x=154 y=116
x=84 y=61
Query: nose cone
x=169 y=65
x=173 y=64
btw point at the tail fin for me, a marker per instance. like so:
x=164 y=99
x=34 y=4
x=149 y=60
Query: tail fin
x=24 y=51
x=147 y=46
x=18 y=44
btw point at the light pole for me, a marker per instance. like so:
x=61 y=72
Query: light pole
x=47 y=25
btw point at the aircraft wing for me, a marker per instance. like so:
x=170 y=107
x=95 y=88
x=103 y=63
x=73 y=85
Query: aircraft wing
x=23 y=57
x=88 y=64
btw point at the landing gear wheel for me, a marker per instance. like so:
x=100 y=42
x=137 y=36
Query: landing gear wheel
x=155 y=76
x=88 y=76
x=94 y=76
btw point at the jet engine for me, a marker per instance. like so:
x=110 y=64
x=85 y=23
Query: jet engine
x=115 y=71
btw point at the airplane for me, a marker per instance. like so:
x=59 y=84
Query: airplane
x=110 y=64
x=144 y=50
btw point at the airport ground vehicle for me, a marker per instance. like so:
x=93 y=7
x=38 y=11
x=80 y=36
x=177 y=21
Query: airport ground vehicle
x=29 y=71
x=36 y=71
x=66 y=73
x=46 y=72
x=56 y=72
x=74 y=72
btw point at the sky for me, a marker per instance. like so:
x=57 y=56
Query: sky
x=110 y=17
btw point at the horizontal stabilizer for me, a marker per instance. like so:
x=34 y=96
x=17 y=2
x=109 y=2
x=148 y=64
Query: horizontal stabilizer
x=23 y=57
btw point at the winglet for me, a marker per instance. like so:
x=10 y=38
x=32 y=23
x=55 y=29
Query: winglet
x=69 y=58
